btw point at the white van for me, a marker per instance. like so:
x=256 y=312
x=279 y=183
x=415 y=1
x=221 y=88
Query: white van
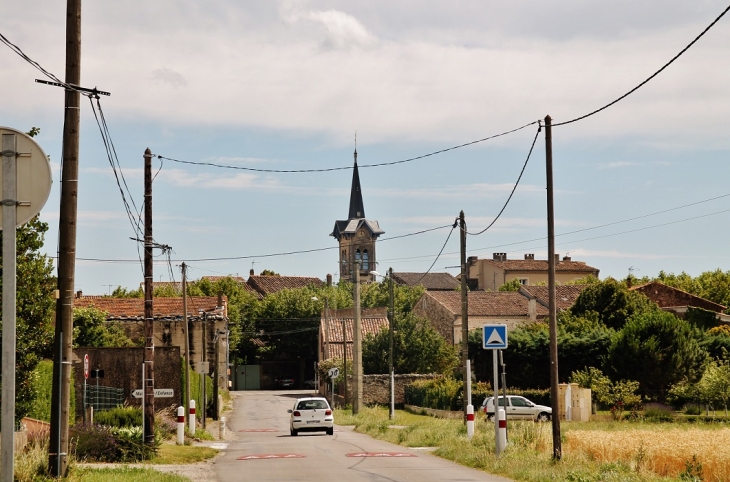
x=518 y=408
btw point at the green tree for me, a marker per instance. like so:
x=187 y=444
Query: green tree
x=375 y=295
x=92 y=330
x=714 y=386
x=711 y=285
x=593 y=378
x=613 y=302
x=268 y=272
x=658 y=350
x=35 y=307
x=417 y=348
x=513 y=285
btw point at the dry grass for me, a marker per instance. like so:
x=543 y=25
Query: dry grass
x=663 y=450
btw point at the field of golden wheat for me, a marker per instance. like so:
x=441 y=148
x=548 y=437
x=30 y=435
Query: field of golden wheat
x=663 y=450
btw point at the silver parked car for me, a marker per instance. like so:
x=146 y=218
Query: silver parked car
x=518 y=408
x=311 y=414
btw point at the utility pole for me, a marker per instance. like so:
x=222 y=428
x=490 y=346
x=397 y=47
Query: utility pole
x=186 y=327
x=344 y=357
x=391 y=321
x=464 y=310
x=60 y=393
x=557 y=444
x=357 y=346
x=204 y=372
x=149 y=343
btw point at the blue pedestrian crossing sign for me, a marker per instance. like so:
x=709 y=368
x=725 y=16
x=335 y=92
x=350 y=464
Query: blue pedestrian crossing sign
x=494 y=337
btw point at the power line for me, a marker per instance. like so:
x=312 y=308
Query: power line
x=650 y=77
x=456 y=223
x=515 y=186
x=343 y=168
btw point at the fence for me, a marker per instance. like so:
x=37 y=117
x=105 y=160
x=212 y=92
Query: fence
x=103 y=398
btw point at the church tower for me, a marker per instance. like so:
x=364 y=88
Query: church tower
x=357 y=236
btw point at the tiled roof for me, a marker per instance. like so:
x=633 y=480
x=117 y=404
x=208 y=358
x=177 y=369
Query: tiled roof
x=162 y=308
x=215 y=279
x=542 y=265
x=372 y=321
x=176 y=285
x=267 y=285
x=565 y=295
x=487 y=303
x=666 y=296
x=430 y=281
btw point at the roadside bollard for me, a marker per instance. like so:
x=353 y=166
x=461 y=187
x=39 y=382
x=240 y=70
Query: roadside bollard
x=191 y=419
x=470 y=420
x=222 y=428
x=502 y=441
x=180 y=425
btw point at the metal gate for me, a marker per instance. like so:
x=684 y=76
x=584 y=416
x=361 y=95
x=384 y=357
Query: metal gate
x=248 y=377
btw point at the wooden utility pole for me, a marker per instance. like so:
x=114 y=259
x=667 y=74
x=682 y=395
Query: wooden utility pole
x=391 y=327
x=204 y=372
x=357 y=345
x=149 y=343
x=60 y=393
x=557 y=445
x=464 y=310
x=187 y=338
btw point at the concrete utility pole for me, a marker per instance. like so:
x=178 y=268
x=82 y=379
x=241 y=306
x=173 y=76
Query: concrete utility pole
x=60 y=392
x=357 y=345
x=186 y=328
x=464 y=310
x=149 y=342
x=557 y=444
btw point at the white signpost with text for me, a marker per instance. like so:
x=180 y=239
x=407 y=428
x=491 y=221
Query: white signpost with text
x=494 y=337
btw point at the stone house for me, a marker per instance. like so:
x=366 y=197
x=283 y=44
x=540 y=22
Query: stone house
x=678 y=301
x=490 y=274
x=207 y=319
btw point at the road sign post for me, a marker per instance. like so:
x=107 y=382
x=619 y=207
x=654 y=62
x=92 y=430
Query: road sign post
x=494 y=337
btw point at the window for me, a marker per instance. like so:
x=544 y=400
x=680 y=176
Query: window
x=365 y=261
x=518 y=402
x=358 y=256
x=524 y=281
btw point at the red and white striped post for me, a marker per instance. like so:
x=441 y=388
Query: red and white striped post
x=470 y=420
x=191 y=418
x=180 y=425
x=502 y=421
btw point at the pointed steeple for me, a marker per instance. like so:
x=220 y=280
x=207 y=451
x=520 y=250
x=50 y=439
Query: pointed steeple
x=357 y=208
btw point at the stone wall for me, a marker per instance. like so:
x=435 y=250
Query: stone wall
x=376 y=388
x=123 y=369
x=441 y=319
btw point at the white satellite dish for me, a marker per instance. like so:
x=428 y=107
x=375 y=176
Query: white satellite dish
x=33 y=176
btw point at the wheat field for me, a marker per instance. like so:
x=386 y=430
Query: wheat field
x=664 y=451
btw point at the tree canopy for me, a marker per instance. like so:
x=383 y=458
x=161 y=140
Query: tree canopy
x=612 y=301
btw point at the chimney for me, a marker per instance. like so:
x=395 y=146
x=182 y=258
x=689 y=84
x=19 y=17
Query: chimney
x=220 y=299
x=472 y=260
x=530 y=256
x=329 y=279
x=250 y=273
x=566 y=258
x=499 y=256
x=557 y=258
x=79 y=294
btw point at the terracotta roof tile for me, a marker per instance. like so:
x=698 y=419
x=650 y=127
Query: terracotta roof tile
x=372 y=321
x=133 y=308
x=215 y=279
x=430 y=281
x=267 y=285
x=542 y=265
x=487 y=303
x=565 y=295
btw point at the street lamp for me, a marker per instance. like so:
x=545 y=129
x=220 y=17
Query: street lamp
x=391 y=320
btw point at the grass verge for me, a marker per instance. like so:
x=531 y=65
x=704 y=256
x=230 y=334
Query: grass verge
x=592 y=452
x=170 y=454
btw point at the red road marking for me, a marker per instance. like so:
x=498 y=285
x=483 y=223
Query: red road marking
x=380 y=454
x=270 y=456
x=258 y=430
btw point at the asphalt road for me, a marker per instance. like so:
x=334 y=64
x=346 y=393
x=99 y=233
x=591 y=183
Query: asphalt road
x=320 y=457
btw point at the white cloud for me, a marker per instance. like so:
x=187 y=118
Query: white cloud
x=343 y=30
x=169 y=77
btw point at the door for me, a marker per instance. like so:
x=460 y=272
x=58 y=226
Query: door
x=248 y=377
x=519 y=408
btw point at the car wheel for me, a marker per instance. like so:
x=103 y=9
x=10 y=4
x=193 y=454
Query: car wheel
x=543 y=417
x=330 y=431
x=293 y=432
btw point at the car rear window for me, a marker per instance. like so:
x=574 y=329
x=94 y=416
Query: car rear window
x=312 y=405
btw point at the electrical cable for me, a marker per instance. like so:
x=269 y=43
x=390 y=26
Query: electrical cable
x=513 y=188
x=361 y=166
x=456 y=223
x=650 y=77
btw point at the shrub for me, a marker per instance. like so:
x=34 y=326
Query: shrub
x=99 y=443
x=119 y=417
x=658 y=412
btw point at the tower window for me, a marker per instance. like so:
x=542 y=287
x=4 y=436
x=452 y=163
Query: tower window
x=365 y=261
x=358 y=256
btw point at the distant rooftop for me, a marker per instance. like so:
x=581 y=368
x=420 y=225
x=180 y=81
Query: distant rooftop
x=430 y=281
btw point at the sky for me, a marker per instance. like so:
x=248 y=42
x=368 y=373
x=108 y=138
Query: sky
x=287 y=85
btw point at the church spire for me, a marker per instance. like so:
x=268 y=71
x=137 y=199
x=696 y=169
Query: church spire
x=357 y=208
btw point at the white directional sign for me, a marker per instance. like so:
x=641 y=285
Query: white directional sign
x=494 y=337
x=334 y=372
x=159 y=393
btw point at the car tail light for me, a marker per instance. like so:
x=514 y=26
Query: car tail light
x=328 y=412
x=297 y=414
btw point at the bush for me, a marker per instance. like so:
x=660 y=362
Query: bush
x=447 y=394
x=658 y=412
x=119 y=417
x=99 y=443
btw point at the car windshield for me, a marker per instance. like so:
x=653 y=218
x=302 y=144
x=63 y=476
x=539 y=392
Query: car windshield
x=312 y=405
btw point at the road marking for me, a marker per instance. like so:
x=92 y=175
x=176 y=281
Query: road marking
x=218 y=446
x=258 y=430
x=270 y=456
x=380 y=454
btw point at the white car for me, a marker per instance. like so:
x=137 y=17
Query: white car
x=311 y=414
x=518 y=407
